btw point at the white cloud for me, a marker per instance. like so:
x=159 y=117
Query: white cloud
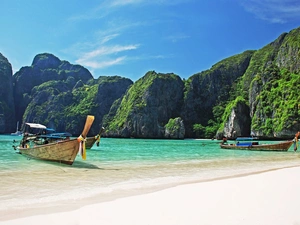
x=105 y=46
x=120 y=3
x=116 y=3
x=177 y=37
x=104 y=56
x=101 y=64
x=106 y=50
x=274 y=11
x=108 y=38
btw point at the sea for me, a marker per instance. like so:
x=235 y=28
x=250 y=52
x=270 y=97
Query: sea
x=120 y=168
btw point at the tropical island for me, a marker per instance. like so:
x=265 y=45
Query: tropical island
x=251 y=93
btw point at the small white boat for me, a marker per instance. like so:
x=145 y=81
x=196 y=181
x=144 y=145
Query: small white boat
x=17 y=133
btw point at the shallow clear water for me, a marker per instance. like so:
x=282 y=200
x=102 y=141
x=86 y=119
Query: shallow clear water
x=119 y=167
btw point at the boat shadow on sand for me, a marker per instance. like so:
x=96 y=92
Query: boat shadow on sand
x=76 y=164
x=85 y=165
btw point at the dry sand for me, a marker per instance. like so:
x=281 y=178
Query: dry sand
x=270 y=198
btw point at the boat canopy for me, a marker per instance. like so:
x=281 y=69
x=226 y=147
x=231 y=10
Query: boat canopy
x=55 y=135
x=36 y=125
x=50 y=129
x=245 y=139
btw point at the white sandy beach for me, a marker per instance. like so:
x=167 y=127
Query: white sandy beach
x=267 y=198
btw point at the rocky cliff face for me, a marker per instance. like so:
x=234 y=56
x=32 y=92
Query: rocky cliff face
x=7 y=106
x=60 y=95
x=147 y=107
x=56 y=105
x=252 y=92
x=274 y=75
x=288 y=53
x=238 y=123
x=210 y=88
x=175 y=129
x=110 y=89
x=45 y=67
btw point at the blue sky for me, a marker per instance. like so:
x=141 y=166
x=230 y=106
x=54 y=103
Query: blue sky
x=130 y=37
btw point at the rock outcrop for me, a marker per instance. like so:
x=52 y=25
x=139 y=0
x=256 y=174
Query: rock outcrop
x=7 y=106
x=210 y=88
x=60 y=95
x=255 y=92
x=45 y=67
x=64 y=109
x=174 y=129
x=147 y=107
x=110 y=89
x=238 y=123
x=273 y=77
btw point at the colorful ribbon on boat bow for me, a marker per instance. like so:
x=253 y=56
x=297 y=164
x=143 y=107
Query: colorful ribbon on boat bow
x=295 y=143
x=97 y=137
x=82 y=149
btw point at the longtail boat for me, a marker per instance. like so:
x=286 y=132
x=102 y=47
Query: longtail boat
x=60 y=149
x=90 y=141
x=253 y=145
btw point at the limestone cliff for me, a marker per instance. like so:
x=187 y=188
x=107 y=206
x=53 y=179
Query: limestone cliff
x=7 y=106
x=110 y=89
x=252 y=92
x=147 y=107
x=237 y=120
x=45 y=67
x=60 y=95
x=62 y=108
x=210 y=88
x=175 y=129
x=273 y=95
x=270 y=88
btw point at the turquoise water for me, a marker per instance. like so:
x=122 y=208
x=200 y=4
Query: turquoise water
x=121 y=167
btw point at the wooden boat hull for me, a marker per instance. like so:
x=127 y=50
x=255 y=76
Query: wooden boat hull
x=62 y=151
x=90 y=141
x=283 y=146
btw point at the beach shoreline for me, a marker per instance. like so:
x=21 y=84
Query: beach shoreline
x=265 y=197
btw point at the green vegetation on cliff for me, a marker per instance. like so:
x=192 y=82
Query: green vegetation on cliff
x=53 y=103
x=278 y=105
x=7 y=105
x=132 y=101
x=229 y=107
x=83 y=101
x=173 y=125
x=208 y=93
x=135 y=99
x=260 y=85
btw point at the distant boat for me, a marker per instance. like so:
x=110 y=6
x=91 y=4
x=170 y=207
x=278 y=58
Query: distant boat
x=17 y=133
x=90 y=141
x=56 y=148
x=248 y=143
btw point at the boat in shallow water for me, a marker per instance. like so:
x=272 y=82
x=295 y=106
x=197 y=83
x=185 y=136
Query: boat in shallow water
x=90 y=141
x=253 y=145
x=18 y=132
x=56 y=149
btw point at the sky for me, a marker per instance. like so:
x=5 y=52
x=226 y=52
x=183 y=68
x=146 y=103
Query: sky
x=131 y=37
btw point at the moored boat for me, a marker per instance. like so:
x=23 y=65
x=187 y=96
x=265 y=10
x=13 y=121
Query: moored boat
x=59 y=149
x=18 y=132
x=253 y=145
x=90 y=141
